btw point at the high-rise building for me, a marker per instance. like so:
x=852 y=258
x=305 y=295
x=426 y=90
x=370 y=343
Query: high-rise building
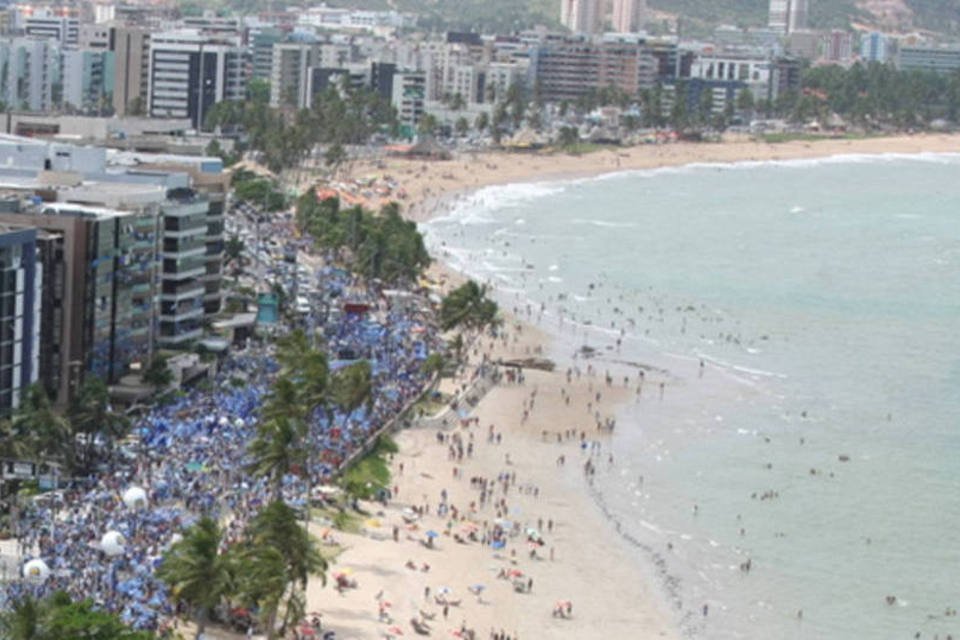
x=409 y=97
x=574 y=67
x=108 y=278
x=20 y=290
x=875 y=47
x=837 y=45
x=288 y=75
x=31 y=70
x=261 y=44
x=88 y=80
x=581 y=16
x=787 y=16
x=96 y=36
x=928 y=58
x=629 y=15
x=65 y=30
x=191 y=71
x=131 y=55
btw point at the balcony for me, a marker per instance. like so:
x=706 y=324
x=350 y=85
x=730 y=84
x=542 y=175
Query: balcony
x=173 y=292
x=180 y=339
x=181 y=314
x=181 y=253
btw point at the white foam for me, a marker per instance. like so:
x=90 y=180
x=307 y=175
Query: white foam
x=605 y=223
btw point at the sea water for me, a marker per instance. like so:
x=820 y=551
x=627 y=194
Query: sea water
x=821 y=440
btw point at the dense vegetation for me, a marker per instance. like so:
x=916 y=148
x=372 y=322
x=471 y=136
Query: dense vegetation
x=337 y=117
x=383 y=245
x=699 y=17
x=58 y=618
x=258 y=191
x=468 y=307
x=937 y=15
x=76 y=441
x=876 y=94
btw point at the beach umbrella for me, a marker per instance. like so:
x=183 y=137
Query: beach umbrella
x=444 y=591
x=36 y=570
x=135 y=498
x=498 y=544
x=432 y=534
x=112 y=543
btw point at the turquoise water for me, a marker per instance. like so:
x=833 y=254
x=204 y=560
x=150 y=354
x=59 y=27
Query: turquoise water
x=824 y=299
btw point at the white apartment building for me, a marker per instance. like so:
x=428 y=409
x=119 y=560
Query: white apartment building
x=753 y=72
x=32 y=67
x=787 y=16
x=43 y=24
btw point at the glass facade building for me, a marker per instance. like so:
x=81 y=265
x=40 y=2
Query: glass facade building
x=21 y=282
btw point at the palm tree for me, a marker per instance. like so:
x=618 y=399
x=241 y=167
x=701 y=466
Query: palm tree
x=283 y=401
x=277 y=527
x=42 y=433
x=263 y=581
x=469 y=307
x=351 y=386
x=198 y=575
x=90 y=413
x=24 y=620
x=291 y=349
x=276 y=450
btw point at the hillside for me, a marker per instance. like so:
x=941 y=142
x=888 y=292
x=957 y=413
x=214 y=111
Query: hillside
x=698 y=17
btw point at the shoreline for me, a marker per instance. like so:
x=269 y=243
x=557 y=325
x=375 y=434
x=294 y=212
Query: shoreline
x=430 y=186
x=584 y=559
x=433 y=189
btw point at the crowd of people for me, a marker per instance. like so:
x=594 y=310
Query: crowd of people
x=191 y=460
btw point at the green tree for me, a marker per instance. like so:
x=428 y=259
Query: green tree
x=42 y=433
x=462 y=126
x=277 y=450
x=469 y=307
x=352 y=386
x=482 y=122
x=91 y=415
x=745 y=102
x=198 y=574
x=57 y=618
x=428 y=124
x=434 y=364
x=24 y=620
x=335 y=156
x=157 y=374
x=262 y=582
x=568 y=137
x=233 y=250
x=277 y=526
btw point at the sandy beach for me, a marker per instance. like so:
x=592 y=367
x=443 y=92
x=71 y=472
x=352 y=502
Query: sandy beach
x=430 y=185
x=611 y=591
x=582 y=560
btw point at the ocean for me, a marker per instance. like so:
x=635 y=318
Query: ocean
x=820 y=442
